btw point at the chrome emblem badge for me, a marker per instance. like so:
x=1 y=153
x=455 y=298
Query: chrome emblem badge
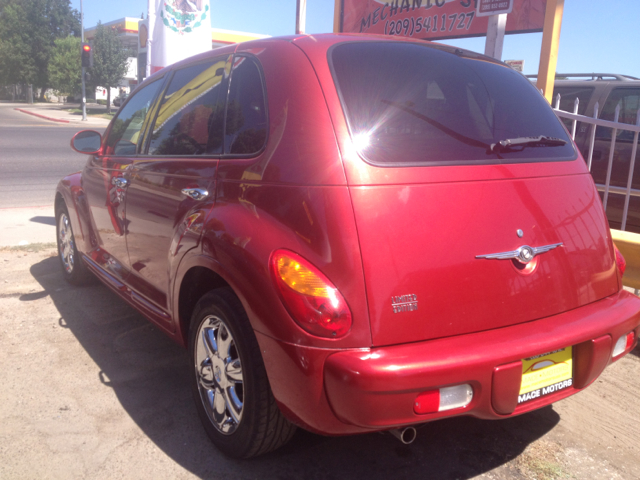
x=404 y=303
x=524 y=254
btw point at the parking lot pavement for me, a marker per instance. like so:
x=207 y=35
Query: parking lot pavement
x=90 y=389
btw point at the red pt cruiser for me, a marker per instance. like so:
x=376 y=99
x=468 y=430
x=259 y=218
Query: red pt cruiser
x=351 y=234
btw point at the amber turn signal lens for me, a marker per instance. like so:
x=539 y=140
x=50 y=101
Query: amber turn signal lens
x=310 y=298
x=300 y=278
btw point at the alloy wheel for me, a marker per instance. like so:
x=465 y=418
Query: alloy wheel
x=219 y=374
x=66 y=244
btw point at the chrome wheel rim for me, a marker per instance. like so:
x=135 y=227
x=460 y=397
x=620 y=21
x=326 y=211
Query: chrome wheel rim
x=66 y=244
x=219 y=374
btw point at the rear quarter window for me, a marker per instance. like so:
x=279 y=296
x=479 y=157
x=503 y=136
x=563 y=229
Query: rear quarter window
x=246 y=118
x=408 y=104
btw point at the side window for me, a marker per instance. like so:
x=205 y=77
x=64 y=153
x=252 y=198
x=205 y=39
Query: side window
x=568 y=96
x=190 y=118
x=125 y=132
x=246 y=121
x=629 y=100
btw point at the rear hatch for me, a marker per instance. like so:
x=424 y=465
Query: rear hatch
x=436 y=195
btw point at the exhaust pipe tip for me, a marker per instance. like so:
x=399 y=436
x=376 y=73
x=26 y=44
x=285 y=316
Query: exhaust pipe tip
x=406 y=435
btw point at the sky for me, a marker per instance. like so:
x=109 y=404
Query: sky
x=596 y=36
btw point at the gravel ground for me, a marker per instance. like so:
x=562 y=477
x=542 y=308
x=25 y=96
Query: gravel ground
x=91 y=390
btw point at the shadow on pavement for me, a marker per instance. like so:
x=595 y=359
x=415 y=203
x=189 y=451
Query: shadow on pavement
x=46 y=220
x=148 y=373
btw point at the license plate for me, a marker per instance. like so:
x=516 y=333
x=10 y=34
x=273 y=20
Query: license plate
x=546 y=374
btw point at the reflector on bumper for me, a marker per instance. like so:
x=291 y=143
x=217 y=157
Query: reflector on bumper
x=447 y=398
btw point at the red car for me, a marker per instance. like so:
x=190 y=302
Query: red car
x=351 y=234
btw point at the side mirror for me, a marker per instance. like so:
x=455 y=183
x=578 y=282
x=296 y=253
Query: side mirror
x=87 y=142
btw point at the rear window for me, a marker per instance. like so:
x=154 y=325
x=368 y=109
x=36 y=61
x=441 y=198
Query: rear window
x=410 y=104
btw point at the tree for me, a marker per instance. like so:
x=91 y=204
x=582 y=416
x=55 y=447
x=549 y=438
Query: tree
x=65 y=70
x=17 y=64
x=28 y=30
x=109 y=60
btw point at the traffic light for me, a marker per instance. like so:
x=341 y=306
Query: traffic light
x=87 y=55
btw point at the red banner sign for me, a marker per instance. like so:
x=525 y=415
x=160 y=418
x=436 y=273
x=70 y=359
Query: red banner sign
x=434 y=19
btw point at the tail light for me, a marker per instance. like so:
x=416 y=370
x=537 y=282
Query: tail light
x=620 y=261
x=310 y=298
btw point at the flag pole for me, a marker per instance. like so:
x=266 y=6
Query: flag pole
x=151 y=20
x=84 y=87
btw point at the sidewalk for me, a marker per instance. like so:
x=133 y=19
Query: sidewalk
x=27 y=225
x=62 y=112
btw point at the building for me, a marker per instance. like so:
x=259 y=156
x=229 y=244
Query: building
x=128 y=29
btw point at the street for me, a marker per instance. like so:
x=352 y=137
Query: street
x=90 y=389
x=35 y=155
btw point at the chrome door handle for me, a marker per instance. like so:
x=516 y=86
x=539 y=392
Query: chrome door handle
x=196 y=193
x=120 y=182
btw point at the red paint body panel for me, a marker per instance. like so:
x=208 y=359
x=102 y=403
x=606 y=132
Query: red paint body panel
x=375 y=388
x=295 y=375
x=375 y=233
x=302 y=147
x=162 y=223
x=594 y=355
x=250 y=221
x=505 y=387
x=429 y=251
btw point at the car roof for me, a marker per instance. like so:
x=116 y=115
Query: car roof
x=582 y=78
x=323 y=40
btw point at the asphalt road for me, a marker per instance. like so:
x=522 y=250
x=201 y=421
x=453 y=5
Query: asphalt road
x=34 y=155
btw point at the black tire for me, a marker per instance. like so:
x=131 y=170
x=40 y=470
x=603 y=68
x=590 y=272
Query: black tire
x=73 y=269
x=229 y=381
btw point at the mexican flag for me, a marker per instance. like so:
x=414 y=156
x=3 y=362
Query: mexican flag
x=177 y=29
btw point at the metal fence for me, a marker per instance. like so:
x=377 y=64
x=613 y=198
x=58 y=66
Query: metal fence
x=594 y=122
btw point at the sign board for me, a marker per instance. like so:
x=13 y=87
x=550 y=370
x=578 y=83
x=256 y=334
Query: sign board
x=434 y=19
x=493 y=7
x=517 y=65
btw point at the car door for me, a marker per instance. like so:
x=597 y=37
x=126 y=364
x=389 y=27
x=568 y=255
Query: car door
x=172 y=186
x=104 y=183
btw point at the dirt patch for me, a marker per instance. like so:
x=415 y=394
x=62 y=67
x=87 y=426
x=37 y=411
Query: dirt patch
x=542 y=460
x=32 y=248
x=91 y=390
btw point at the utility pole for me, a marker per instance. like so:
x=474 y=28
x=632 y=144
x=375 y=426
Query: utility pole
x=84 y=91
x=301 y=16
x=495 y=36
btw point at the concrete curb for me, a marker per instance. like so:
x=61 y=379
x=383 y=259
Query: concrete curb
x=42 y=116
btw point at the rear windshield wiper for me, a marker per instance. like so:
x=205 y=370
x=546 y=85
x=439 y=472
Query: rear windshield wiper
x=522 y=142
x=452 y=133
